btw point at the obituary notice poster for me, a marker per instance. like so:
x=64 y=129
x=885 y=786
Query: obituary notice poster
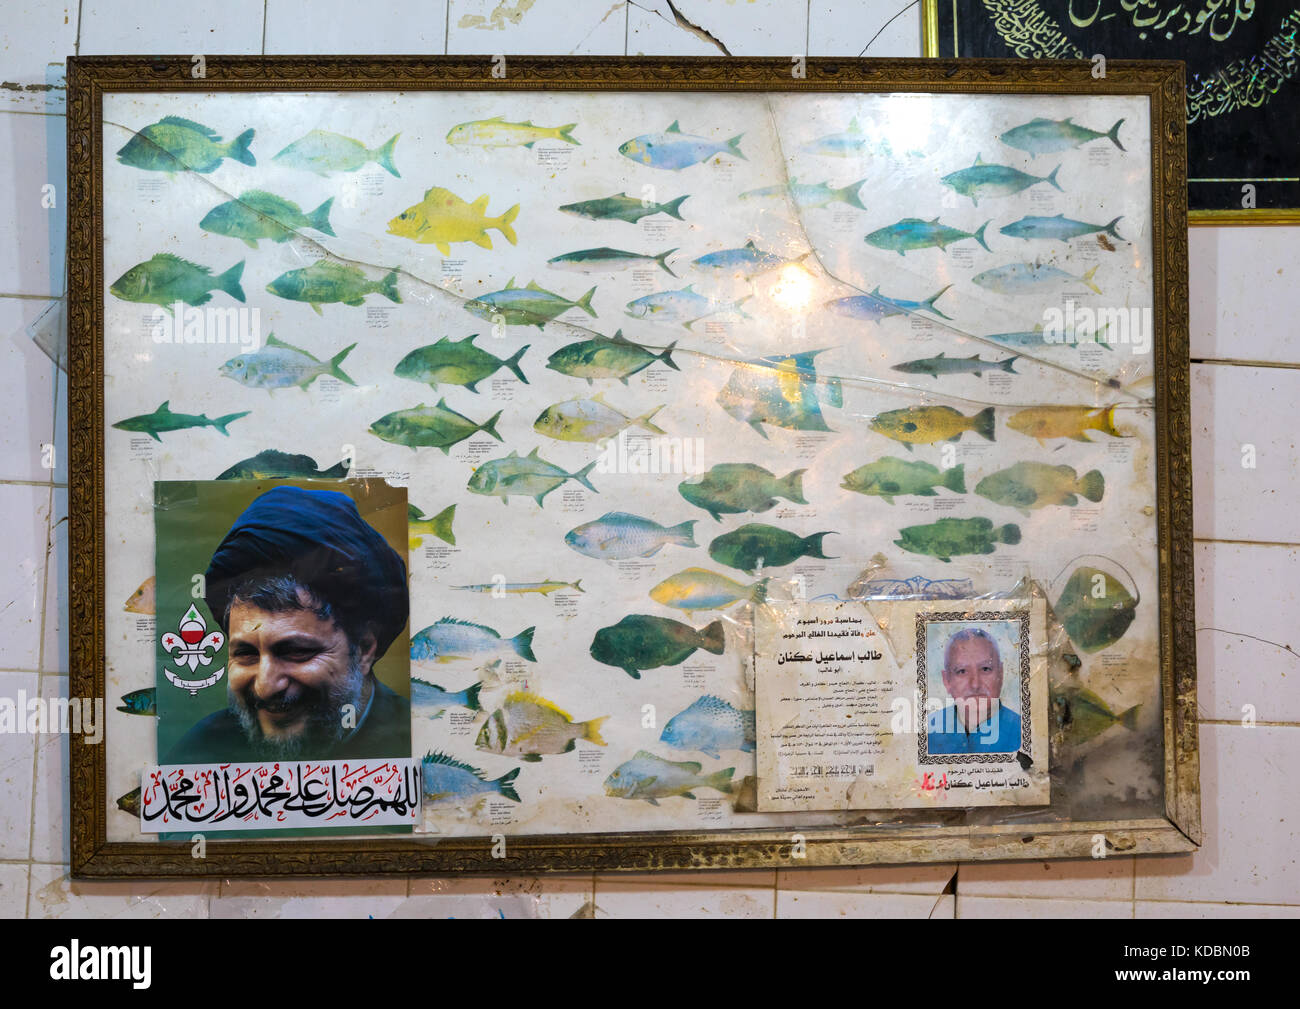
x=885 y=704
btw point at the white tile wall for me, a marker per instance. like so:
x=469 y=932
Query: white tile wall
x=1243 y=304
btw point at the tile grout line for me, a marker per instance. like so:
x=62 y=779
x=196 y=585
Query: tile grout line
x=266 y=4
x=807 y=27
x=76 y=45
x=446 y=28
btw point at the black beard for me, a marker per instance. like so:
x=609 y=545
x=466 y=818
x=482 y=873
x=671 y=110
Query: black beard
x=324 y=726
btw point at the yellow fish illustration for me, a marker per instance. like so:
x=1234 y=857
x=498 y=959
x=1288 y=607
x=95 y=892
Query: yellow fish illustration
x=142 y=599
x=442 y=218
x=496 y=132
x=1045 y=422
x=925 y=425
x=701 y=589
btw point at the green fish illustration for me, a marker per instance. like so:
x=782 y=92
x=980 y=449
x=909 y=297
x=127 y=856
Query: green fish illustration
x=140 y=702
x=591 y=420
x=271 y=464
x=808 y=197
x=925 y=425
x=605 y=260
x=1048 y=136
x=1095 y=609
x=948 y=538
x=174 y=145
x=734 y=487
x=652 y=778
x=756 y=546
x=327 y=281
x=431 y=427
x=526 y=306
x=281 y=366
x=640 y=642
x=615 y=357
x=985 y=180
x=130 y=802
x=323 y=152
x=163 y=419
x=621 y=207
x=528 y=475
x=419 y=525
x=912 y=233
x=781 y=390
x=449 y=362
x=1029 y=485
x=890 y=477
x=166 y=279
x=257 y=215
x=942 y=365
x=1081 y=715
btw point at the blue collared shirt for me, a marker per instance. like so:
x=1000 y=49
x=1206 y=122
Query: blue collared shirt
x=988 y=738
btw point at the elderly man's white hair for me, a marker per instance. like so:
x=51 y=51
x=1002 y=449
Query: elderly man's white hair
x=969 y=634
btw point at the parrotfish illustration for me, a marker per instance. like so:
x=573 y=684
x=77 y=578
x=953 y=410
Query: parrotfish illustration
x=143 y=599
x=616 y=357
x=702 y=589
x=442 y=218
x=323 y=153
x=621 y=207
x=709 y=726
x=808 y=197
x=1059 y=228
x=849 y=144
x=731 y=488
x=652 y=778
x=591 y=420
x=450 y=640
x=327 y=281
x=985 y=180
x=912 y=233
x=166 y=279
x=685 y=305
x=527 y=475
x=944 y=365
x=175 y=145
x=419 y=525
x=1073 y=422
x=780 y=390
x=163 y=419
x=1048 y=136
x=890 y=477
x=257 y=215
x=526 y=306
x=496 y=132
x=748 y=261
x=948 y=538
x=675 y=150
x=446 y=779
x=640 y=642
x=427 y=696
x=1019 y=279
x=1080 y=715
x=271 y=464
x=449 y=362
x=925 y=425
x=529 y=727
x=1095 y=609
x=431 y=427
x=281 y=366
x=756 y=547
x=607 y=260
x=140 y=702
x=876 y=307
x=1028 y=485
x=617 y=536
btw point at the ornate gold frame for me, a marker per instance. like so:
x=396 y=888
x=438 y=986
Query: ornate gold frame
x=93 y=857
x=1199 y=218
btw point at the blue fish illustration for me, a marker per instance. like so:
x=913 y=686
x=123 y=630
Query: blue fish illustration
x=674 y=150
x=709 y=726
x=876 y=307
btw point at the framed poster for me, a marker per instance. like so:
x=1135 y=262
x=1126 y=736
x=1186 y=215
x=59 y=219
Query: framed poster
x=1243 y=81
x=791 y=464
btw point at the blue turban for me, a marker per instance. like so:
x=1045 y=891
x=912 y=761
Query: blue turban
x=319 y=538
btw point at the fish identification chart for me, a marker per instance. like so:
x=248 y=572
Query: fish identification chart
x=647 y=364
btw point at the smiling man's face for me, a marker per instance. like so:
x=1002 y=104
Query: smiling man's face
x=291 y=673
x=973 y=676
